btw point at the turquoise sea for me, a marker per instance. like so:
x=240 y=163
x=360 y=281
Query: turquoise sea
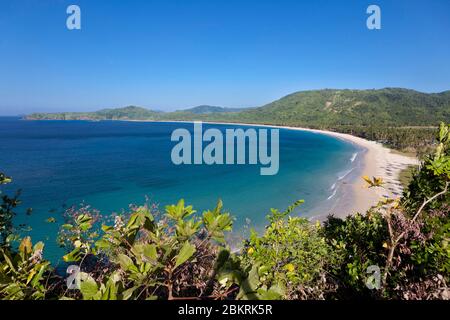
x=111 y=164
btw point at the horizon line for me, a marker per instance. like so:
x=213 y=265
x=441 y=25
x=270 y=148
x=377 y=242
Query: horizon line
x=225 y=107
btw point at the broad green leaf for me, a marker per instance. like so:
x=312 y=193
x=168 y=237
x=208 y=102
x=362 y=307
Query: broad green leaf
x=38 y=277
x=150 y=252
x=8 y=261
x=126 y=263
x=88 y=286
x=268 y=295
x=102 y=244
x=25 y=246
x=75 y=255
x=129 y=292
x=38 y=246
x=185 y=253
x=31 y=275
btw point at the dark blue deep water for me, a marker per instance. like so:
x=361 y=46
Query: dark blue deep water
x=111 y=164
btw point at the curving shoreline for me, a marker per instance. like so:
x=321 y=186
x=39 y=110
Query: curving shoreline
x=377 y=161
x=374 y=160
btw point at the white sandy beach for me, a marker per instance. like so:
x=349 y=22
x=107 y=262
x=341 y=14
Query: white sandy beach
x=378 y=161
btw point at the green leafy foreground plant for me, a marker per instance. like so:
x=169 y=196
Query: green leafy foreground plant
x=7 y=206
x=290 y=260
x=146 y=258
x=22 y=273
x=406 y=238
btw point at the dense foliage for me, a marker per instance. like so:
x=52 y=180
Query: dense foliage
x=328 y=108
x=205 y=109
x=6 y=211
x=414 y=140
x=399 y=249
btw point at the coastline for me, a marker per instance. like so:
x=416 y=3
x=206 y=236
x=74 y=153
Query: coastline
x=375 y=160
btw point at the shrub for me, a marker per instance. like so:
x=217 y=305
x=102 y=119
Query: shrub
x=291 y=258
x=360 y=242
x=142 y=257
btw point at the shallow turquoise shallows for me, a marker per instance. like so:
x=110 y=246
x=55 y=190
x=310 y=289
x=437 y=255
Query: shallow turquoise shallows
x=111 y=164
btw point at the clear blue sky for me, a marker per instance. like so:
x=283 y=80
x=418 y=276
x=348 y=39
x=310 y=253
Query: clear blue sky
x=169 y=55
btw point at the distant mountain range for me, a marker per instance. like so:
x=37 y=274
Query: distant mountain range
x=131 y=113
x=315 y=108
x=205 y=109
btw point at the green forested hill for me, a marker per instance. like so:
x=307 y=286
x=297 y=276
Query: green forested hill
x=400 y=118
x=330 y=108
x=126 y=113
x=326 y=108
x=205 y=109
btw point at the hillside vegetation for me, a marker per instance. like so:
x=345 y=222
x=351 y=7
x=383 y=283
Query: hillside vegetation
x=316 y=108
x=400 y=118
x=204 y=109
x=329 y=108
x=126 y=113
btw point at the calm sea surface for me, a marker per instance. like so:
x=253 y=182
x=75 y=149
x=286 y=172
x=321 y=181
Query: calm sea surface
x=111 y=164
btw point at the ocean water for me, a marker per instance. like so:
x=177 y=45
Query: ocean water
x=111 y=164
